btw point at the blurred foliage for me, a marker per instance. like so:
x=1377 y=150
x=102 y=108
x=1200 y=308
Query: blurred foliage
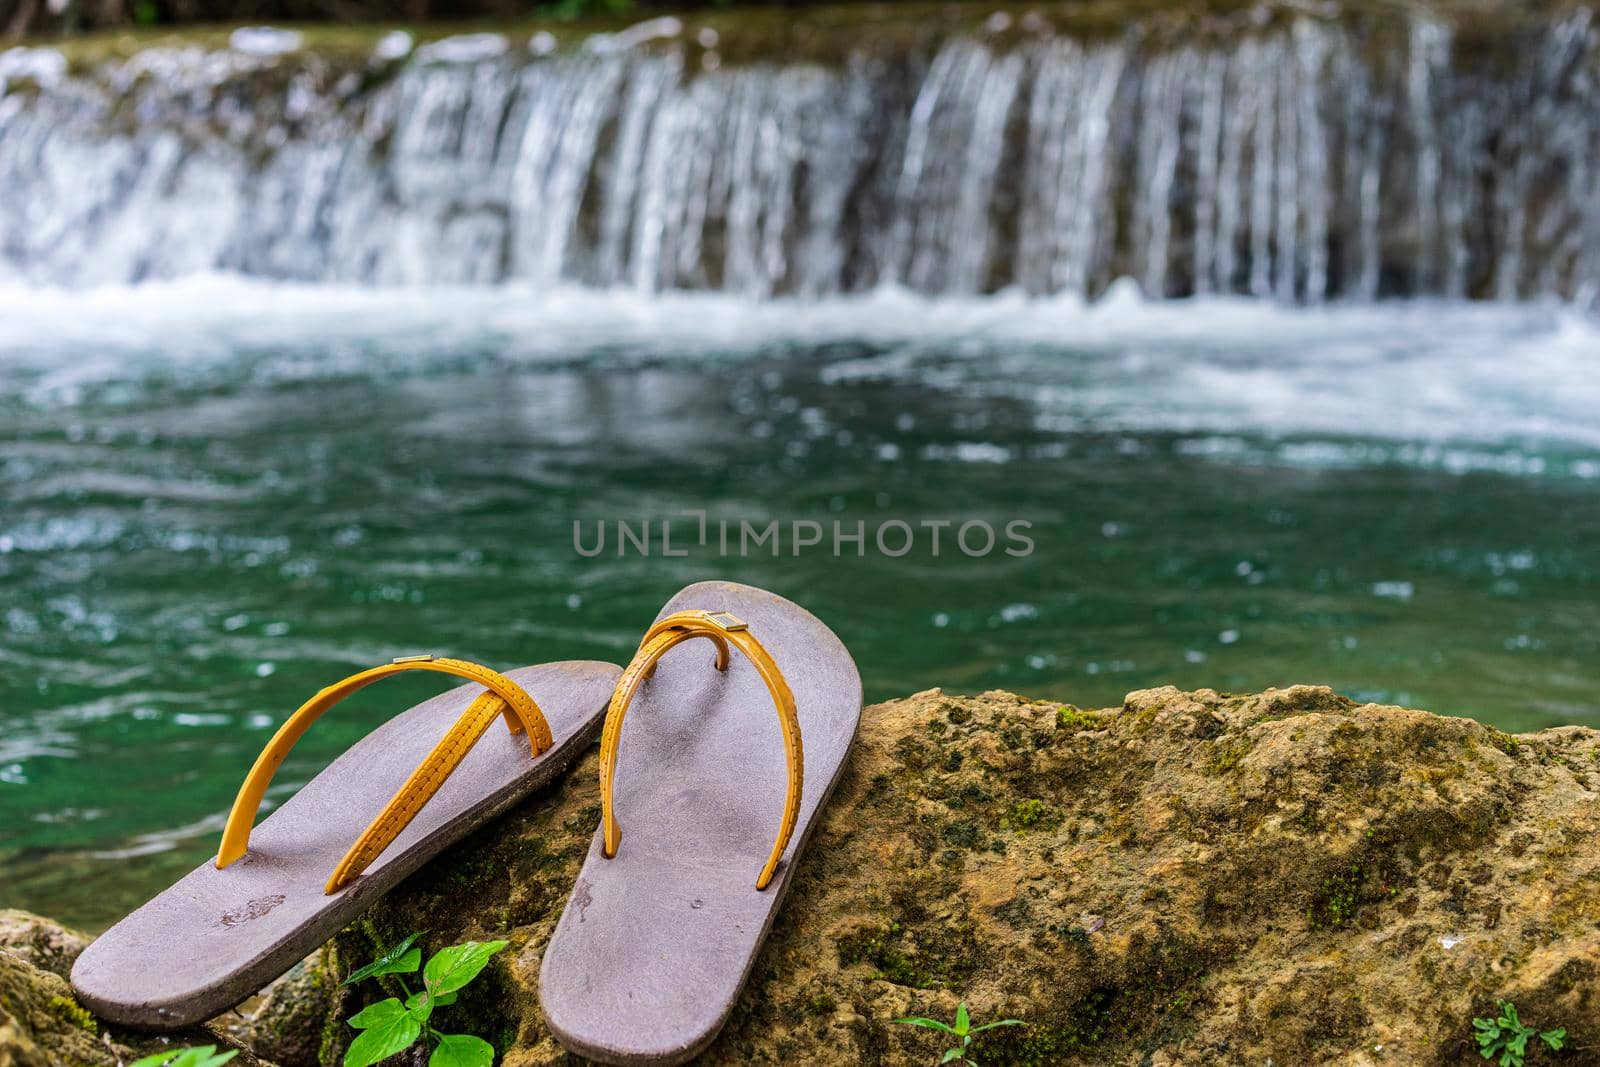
x=65 y=18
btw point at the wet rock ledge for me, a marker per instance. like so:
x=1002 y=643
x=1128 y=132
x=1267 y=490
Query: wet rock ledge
x=1191 y=878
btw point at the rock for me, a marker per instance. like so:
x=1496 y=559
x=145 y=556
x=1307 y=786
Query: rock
x=1192 y=878
x=41 y=942
x=41 y=1022
x=297 y=1017
x=41 y=1025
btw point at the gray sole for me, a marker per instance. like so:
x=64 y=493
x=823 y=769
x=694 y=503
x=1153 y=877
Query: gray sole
x=217 y=936
x=648 y=958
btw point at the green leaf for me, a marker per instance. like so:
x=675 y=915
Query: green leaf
x=1002 y=1022
x=384 y=1011
x=401 y=959
x=453 y=967
x=420 y=1005
x=963 y=1020
x=931 y=1024
x=462 y=1050
x=1556 y=1039
x=382 y=1039
x=951 y=1054
x=200 y=1056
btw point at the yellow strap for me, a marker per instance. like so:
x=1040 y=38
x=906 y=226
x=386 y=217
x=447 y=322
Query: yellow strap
x=504 y=697
x=721 y=628
x=417 y=790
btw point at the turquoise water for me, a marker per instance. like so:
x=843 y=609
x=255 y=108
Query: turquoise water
x=217 y=497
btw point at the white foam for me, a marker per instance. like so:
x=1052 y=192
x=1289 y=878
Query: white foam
x=663 y=28
x=44 y=67
x=396 y=44
x=264 y=41
x=465 y=48
x=1452 y=385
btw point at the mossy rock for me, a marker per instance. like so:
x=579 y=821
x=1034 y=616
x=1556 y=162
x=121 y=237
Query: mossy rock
x=39 y=941
x=1191 y=878
x=41 y=1022
x=41 y=1025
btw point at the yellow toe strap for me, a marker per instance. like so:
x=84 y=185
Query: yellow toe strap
x=504 y=697
x=722 y=629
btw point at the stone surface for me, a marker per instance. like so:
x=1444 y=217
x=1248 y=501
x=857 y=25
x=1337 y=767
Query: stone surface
x=298 y=1018
x=41 y=1022
x=41 y=1025
x=1192 y=878
x=40 y=941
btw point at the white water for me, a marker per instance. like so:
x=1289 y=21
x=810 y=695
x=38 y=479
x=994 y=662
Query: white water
x=1451 y=384
x=1303 y=159
x=964 y=216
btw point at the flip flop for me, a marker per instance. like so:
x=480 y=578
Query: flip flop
x=664 y=923
x=275 y=893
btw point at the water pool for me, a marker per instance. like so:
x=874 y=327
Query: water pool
x=217 y=496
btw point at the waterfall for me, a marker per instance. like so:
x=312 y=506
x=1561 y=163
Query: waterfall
x=1295 y=157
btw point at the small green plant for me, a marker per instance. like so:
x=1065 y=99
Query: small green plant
x=393 y=1025
x=1508 y=1037
x=1072 y=717
x=962 y=1030
x=203 y=1056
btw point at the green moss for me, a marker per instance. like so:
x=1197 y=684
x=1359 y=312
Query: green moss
x=1310 y=819
x=1078 y=1031
x=822 y=1003
x=1030 y=815
x=1228 y=751
x=74 y=1013
x=1338 y=898
x=469 y=870
x=1069 y=717
x=1015 y=912
x=333 y=1039
x=880 y=946
x=929 y=955
x=583 y=823
x=913 y=754
x=1347 y=731
x=961 y=834
x=538 y=855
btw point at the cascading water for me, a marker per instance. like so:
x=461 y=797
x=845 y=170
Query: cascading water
x=1281 y=156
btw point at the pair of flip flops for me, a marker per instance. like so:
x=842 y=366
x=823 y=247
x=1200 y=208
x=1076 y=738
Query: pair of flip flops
x=719 y=775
